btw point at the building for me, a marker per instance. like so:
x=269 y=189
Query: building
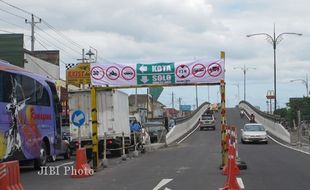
x=154 y=107
x=44 y=63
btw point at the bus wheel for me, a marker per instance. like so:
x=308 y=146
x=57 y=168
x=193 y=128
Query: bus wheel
x=41 y=161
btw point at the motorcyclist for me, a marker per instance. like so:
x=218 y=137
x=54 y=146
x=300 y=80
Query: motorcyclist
x=252 y=118
x=241 y=113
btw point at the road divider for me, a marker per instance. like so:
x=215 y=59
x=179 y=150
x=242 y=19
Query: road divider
x=10 y=176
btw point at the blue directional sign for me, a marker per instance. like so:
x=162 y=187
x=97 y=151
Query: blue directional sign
x=78 y=118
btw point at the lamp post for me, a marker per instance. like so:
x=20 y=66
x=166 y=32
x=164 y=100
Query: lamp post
x=237 y=85
x=244 y=70
x=305 y=82
x=274 y=40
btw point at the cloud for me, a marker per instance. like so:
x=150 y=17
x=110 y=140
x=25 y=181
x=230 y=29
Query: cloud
x=156 y=30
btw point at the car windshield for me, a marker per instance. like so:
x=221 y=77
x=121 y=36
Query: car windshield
x=254 y=128
x=207 y=117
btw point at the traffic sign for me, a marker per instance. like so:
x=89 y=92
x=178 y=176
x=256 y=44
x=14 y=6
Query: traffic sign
x=157 y=73
x=128 y=73
x=214 y=69
x=113 y=73
x=182 y=71
x=97 y=73
x=79 y=74
x=78 y=118
x=199 y=70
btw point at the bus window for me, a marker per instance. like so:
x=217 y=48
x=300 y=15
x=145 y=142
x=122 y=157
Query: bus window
x=28 y=88
x=42 y=97
x=5 y=86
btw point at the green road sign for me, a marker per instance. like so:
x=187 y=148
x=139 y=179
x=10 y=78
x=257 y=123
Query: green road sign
x=157 y=73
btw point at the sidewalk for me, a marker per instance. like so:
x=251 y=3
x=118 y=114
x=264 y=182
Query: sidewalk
x=300 y=141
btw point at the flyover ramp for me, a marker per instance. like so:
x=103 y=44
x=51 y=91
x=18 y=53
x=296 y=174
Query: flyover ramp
x=270 y=166
x=185 y=125
x=270 y=122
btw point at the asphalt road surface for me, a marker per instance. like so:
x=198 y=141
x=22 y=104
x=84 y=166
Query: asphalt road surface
x=271 y=166
x=192 y=165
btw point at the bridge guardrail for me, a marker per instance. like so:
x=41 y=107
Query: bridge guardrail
x=272 y=123
x=184 y=125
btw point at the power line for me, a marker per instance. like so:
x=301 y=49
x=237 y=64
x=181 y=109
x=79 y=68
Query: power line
x=61 y=34
x=48 y=42
x=19 y=26
x=7 y=31
x=58 y=40
x=12 y=13
x=15 y=7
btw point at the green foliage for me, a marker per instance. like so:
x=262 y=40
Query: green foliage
x=295 y=104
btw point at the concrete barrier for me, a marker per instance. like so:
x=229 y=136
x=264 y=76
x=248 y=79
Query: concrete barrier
x=274 y=128
x=182 y=128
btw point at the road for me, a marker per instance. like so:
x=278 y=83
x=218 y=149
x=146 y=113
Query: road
x=194 y=164
x=271 y=166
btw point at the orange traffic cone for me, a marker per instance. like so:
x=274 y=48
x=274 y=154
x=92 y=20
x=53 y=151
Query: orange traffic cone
x=235 y=169
x=10 y=176
x=231 y=182
x=82 y=168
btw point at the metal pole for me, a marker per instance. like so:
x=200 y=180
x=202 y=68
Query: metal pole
x=307 y=86
x=172 y=100
x=275 y=68
x=223 y=119
x=244 y=83
x=209 y=94
x=136 y=99
x=105 y=146
x=123 y=143
x=196 y=96
x=298 y=126
x=94 y=127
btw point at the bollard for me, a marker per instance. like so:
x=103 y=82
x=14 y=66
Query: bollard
x=124 y=157
x=105 y=160
x=135 y=153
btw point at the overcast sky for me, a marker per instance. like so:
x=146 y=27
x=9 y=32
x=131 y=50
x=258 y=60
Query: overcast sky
x=173 y=30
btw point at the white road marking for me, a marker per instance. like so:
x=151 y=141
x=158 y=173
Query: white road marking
x=188 y=134
x=162 y=183
x=240 y=182
x=167 y=188
x=288 y=146
x=64 y=164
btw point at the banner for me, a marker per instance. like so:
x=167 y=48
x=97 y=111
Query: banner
x=186 y=72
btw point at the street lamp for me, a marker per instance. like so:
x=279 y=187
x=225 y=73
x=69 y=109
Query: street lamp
x=237 y=85
x=274 y=40
x=244 y=69
x=305 y=82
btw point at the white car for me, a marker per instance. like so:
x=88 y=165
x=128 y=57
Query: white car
x=254 y=132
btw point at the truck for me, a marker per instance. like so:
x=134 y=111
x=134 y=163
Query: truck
x=112 y=118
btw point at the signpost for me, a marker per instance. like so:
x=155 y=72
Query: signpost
x=78 y=119
x=79 y=74
x=157 y=73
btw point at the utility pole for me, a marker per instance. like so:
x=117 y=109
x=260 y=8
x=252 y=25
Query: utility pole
x=209 y=94
x=196 y=97
x=33 y=23
x=244 y=70
x=180 y=101
x=172 y=99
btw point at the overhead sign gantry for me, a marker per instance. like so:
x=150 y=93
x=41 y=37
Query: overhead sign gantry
x=163 y=73
x=132 y=75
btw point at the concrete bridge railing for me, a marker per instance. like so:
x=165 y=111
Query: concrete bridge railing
x=270 y=122
x=185 y=125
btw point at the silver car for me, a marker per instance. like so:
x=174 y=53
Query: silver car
x=207 y=121
x=254 y=132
